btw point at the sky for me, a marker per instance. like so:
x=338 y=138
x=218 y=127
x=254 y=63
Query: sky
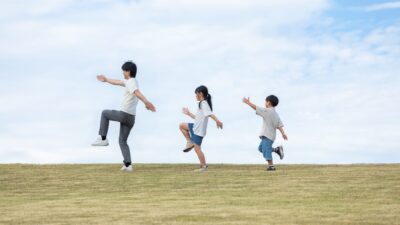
x=335 y=66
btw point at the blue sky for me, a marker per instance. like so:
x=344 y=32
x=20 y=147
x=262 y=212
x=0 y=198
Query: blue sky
x=334 y=65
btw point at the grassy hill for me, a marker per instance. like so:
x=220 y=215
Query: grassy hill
x=174 y=194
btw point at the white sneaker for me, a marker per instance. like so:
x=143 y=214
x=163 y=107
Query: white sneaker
x=127 y=169
x=202 y=169
x=189 y=146
x=99 y=142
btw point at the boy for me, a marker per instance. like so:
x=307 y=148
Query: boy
x=271 y=122
x=126 y=116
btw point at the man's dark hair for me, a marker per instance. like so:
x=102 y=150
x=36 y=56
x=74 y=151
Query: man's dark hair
x=131 y=67
x=273 y=99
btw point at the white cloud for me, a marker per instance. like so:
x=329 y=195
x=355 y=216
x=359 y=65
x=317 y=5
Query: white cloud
x=337 y=91
x=383 y=6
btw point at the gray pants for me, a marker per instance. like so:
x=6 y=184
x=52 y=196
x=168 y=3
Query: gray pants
x=126 y=123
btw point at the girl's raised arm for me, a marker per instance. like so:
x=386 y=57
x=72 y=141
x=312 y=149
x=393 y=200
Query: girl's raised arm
x=186 y=111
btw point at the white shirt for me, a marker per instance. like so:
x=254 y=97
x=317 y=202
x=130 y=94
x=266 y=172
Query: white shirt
x=201 y=119
x=130 y=100
x=271 y=122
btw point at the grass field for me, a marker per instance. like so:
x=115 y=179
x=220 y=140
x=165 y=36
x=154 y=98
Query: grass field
x=173 y=194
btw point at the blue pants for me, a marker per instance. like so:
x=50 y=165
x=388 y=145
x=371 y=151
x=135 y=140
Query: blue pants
x=265 y=148
x=195 y=138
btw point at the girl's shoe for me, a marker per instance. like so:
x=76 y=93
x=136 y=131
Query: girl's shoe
x=202 y=169
x=100 y=142
x=271 y=168
x=189 y=146
x=127 y=168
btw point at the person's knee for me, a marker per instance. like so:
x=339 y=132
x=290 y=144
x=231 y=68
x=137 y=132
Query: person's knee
x=197 y=148
x=182 y=126
x=105 y=112
x=123 y=141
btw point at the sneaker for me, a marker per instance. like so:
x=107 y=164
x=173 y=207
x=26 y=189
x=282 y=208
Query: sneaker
x=189 y=146
x=100 y=142
x=127 y=169
x=271 y=168
x=202 y=169
x=279 y=150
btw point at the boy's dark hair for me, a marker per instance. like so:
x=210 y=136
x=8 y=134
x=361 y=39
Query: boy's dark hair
x=131 y=67
x=273 y=99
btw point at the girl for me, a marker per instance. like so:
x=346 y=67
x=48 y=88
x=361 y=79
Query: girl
x=195 y=132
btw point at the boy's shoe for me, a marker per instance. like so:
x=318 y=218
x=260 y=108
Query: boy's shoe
x=189 y=146
x=202 y=169
x=127 y=169
x=100 y=142
x=271 y=168
x=279 y=150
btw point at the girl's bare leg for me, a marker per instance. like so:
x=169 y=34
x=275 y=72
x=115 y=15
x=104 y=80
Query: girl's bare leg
x=185 y=131
x=200 y=155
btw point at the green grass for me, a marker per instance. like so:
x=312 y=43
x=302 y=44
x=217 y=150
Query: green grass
x=173 y=194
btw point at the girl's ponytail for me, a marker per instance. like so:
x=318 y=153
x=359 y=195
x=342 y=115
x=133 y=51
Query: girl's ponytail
x=208 y=98
x=203 y=89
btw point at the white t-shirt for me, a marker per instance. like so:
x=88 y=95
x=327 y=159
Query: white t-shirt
x=201 y=119
x=271 y=122
x=130 y=100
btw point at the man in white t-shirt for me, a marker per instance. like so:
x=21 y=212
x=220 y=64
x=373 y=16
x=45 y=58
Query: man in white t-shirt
x=125 y=116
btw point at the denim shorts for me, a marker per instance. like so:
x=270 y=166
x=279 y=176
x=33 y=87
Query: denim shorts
x=265 y=148
x=195 y=138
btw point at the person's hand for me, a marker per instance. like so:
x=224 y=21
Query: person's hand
x=285 y=137
x=246 y=100
x=101 y=78
x=219 y=124
x=186 y=111
x=150 y=106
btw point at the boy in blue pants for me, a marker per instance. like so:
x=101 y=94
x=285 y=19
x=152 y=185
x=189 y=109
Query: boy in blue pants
x=271 y=122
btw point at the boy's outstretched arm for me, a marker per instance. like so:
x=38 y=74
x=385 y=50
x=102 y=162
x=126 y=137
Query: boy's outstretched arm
x=149 y=105
x=219 y=123
x=186 y=111
x=283 y=133
x=247 y=101
x=103 y=78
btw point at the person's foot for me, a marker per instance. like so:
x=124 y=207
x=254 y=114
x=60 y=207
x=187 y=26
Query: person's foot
x=271 y=168
x=100 y=142
x=189 y=146
x=202 y=169
x=279 y=150
x=127 y=168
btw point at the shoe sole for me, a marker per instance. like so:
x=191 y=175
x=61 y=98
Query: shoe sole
x=188 y=149
x=100 y=145
x=281 y=151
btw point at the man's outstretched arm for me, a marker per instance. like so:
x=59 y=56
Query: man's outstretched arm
x=103 y=78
